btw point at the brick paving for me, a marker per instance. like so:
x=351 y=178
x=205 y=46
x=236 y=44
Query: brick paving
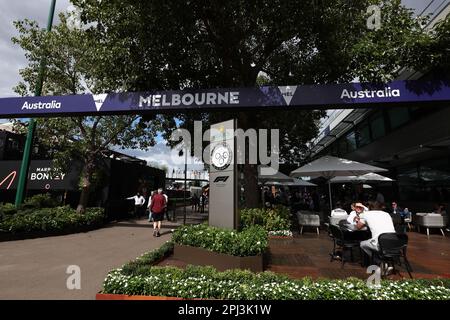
x=36 y=268
x=307 y=255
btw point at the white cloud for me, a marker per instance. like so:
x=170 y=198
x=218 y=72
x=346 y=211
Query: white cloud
x=162 y=155
x=11 y=56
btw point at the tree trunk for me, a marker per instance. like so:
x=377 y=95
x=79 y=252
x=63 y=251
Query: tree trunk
x=251 y=190
x=88 y=171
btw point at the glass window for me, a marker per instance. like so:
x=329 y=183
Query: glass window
x=418 y=112
x=351 y=141
x=334 y=151
x=435 y=174
x=342 y=146
x=363 y=134
x=398 y=116
x=409 y=183
x=377 y=126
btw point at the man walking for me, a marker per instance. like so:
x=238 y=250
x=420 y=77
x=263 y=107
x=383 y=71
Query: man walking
x=157 y=208
x=139 y=201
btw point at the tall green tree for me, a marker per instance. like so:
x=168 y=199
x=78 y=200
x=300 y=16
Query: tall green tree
x=176 y=44
x=69 y=56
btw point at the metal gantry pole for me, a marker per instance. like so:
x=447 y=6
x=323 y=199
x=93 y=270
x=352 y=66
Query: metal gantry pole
x=329 y=194
x=185 y=186
x=32 y=123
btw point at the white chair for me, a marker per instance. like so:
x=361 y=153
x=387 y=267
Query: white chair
x=338 y=212
x=431 y=220
x=337 y=215
x=309 y=220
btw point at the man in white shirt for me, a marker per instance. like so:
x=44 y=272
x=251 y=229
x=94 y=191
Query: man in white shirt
x=149 y=205
x=357 y=209
x=166 y=210
x=139 y=201
x=378 y=222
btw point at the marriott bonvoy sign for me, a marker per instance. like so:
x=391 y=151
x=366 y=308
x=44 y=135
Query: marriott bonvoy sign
x=350 y=95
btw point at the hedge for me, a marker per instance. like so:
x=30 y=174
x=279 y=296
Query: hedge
x=37 y=201
x=249 y=242
x=272 y=220
x=50 y=220
x=208 y=283
x=142 y=264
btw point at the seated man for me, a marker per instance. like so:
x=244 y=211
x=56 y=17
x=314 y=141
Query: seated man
x=357 y=209
x=398 y=217
x=379 y=222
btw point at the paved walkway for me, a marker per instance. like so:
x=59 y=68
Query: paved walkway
x=36 y=268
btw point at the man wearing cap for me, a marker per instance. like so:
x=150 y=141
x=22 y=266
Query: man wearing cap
x=357 y=209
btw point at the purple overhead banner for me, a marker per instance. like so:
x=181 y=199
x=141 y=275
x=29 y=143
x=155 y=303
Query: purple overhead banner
x=332 y=96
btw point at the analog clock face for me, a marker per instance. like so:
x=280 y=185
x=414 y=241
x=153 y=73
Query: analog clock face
x=221 y=156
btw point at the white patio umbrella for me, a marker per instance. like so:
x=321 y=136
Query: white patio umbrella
x=273 y=183
x=300 y=183
x=266 y=173
x=330 y=167
x=367 y=186
x=368 y=177
x=295 y=183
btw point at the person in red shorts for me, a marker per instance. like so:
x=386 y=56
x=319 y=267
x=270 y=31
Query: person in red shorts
x=157 y=208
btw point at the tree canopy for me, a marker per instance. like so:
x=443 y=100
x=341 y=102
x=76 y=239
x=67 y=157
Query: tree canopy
x=69 y=57
x=128 y=45
x=207 y=44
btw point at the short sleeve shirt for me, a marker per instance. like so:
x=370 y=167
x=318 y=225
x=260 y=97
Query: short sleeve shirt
x=379 y=222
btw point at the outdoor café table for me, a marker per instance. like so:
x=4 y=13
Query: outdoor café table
x=352 y=233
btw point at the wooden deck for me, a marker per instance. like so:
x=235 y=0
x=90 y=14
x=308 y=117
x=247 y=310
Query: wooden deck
x=307 y=255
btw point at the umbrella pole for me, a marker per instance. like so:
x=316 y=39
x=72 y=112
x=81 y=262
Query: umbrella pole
x=329 y=194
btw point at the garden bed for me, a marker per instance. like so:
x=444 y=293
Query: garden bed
x=44 y=222
x=250 y=242
x=281 y=237
x=6 y=236
x=281 y=234
x=196 y=282
x=220 y=261
x=141 y=280
x=106 y=296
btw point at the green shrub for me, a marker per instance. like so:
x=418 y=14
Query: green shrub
x=249 y=242
x=142 y=264
x=8 y=209
x=50 y=220
x=206 y=282
x=276 y=219
x=38 y=201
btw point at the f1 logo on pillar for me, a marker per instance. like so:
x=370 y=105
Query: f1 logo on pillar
x=221 y=179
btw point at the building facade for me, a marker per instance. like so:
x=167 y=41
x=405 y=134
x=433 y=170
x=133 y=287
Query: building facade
x=412 y=142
